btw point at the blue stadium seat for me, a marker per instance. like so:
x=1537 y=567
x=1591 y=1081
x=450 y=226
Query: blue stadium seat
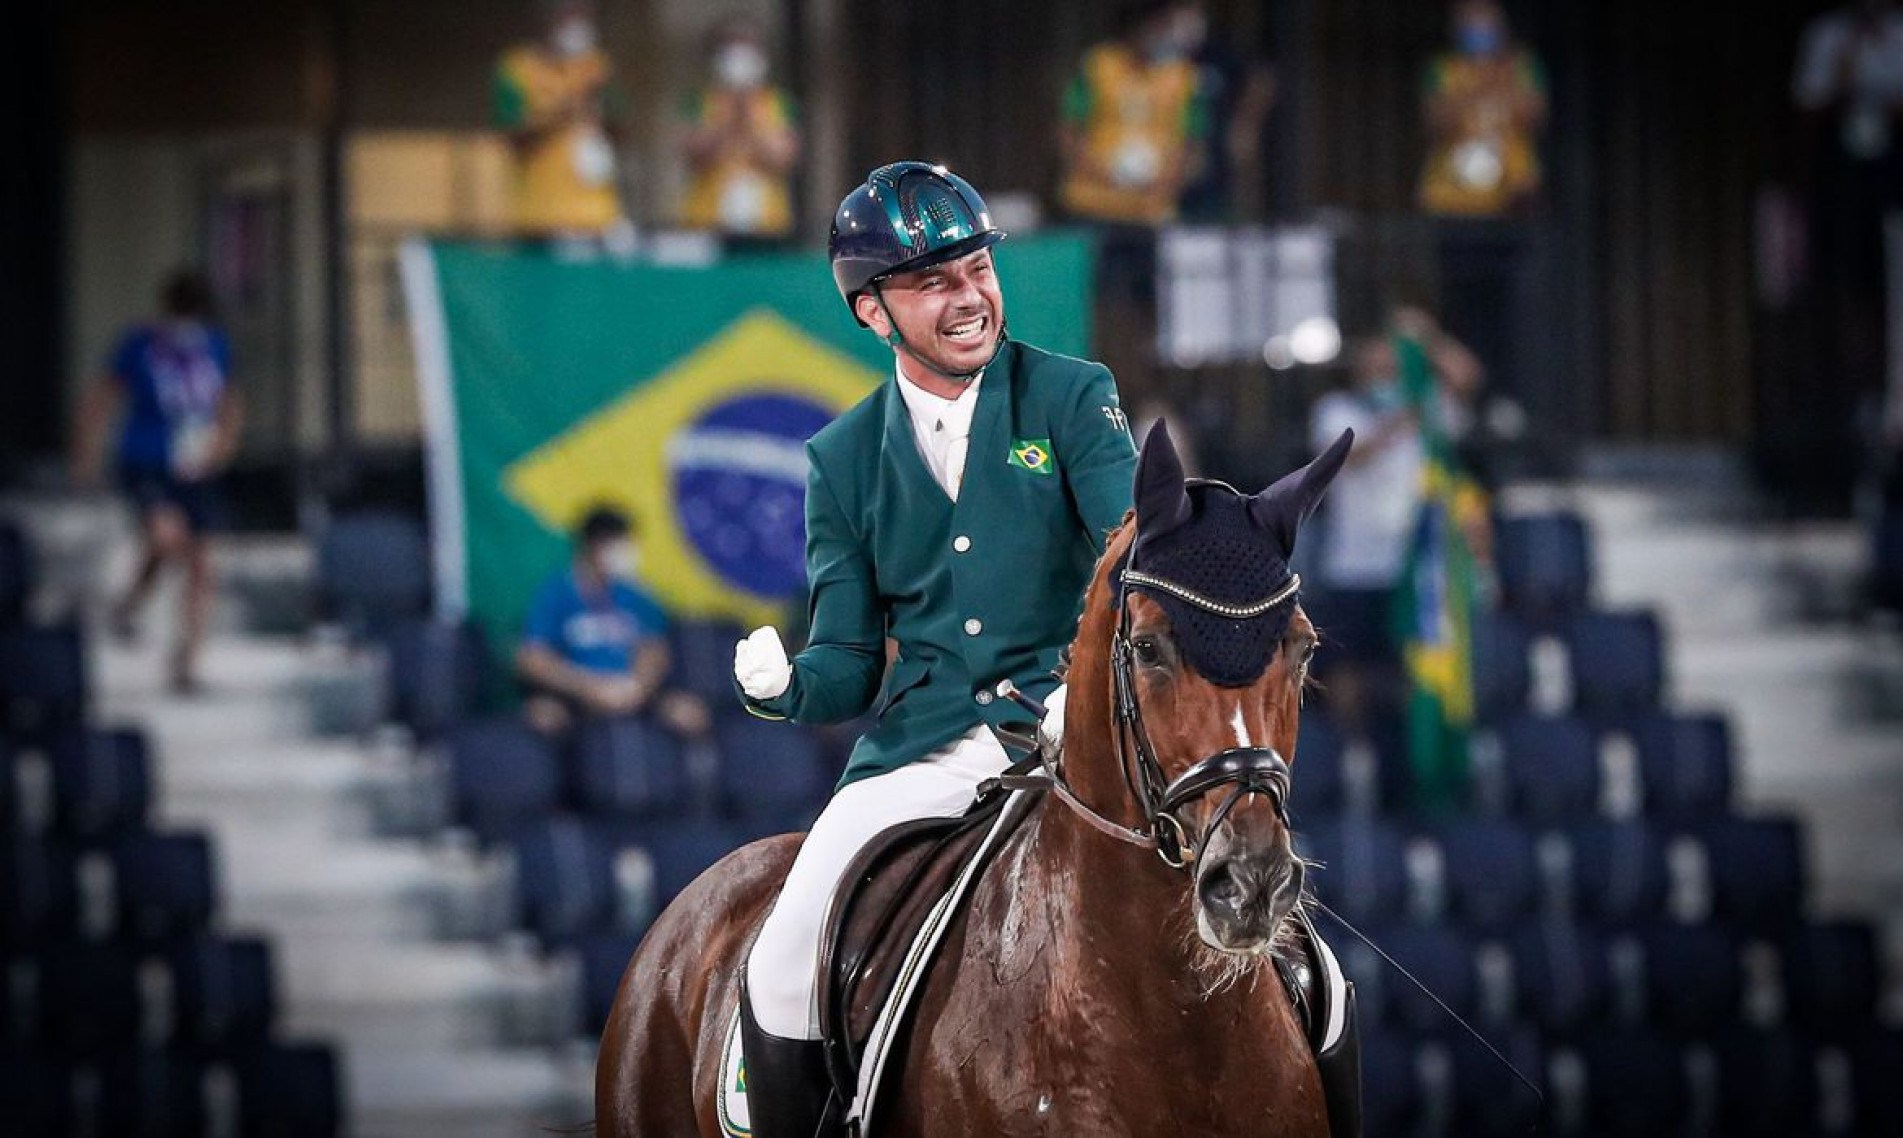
x=36 y=1096
x=89 y=998
x=1767 y=1084
x=1757 y=871
x=1561 y=975
x=1833 y=978
x=1492 y=871
x=1875 y=1061
x=603 y=957
x=165 y=884
x=1439 y=957
x=628 y=767
x=290 y=1091
x=438 y=671
x=564 y=877
x=1489 y=1100
x=102 y=781
x=1502 y=671
x=703 y=659
x=1684 y=765
x=1390 y=1082
x=17 y=576
x=42 y=681
x=152 y=1094
x=770 y=773
x=1617 y=662
x=1319 y=786
x=39 y=889
x=1619 y=872
x=678 y=850
x=1693 y=979
x=1552 y=768
x=1636 y=1085
x=224 y=992
x=501 y=773
x=373 y=567
x=1362 y=868
x=1544 y=562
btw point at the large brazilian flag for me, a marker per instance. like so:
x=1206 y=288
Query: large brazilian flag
x=681 y=395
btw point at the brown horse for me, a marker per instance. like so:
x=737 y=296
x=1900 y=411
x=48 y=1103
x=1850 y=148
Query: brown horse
x=1091 y=987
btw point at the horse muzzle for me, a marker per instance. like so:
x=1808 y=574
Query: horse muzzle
x=1242 y=899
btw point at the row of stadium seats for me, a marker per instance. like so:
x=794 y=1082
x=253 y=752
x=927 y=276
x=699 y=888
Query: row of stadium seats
x=1614 y=664
x=1571 y=980
x=1548 y=770
x=503 y=774
x=202 y=993
x=1634 y=1084
x=122 y=1011
x=269 y=1091
x=1491 y=873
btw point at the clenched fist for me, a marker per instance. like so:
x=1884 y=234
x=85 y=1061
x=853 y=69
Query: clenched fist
x=759 y=663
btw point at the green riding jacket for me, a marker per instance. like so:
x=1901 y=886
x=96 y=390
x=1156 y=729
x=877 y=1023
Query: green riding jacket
x=973 y=591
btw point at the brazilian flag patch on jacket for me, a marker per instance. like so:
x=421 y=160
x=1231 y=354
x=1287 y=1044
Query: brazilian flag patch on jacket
x=1033 y=455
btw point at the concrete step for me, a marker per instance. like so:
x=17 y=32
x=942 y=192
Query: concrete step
x=498 y=1094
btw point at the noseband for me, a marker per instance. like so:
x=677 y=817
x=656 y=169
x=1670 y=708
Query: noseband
x=1246 y=770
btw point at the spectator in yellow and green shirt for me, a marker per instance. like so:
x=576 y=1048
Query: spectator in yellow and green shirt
x=741 y=142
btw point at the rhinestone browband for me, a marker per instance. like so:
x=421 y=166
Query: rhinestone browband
x=1234 y=612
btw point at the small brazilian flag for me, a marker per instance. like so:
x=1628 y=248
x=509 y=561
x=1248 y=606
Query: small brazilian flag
x=1033 y=455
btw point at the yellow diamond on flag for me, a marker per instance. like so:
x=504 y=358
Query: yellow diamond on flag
x=708 y=459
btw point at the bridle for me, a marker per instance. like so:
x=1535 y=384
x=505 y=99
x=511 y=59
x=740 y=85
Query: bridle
x=1247 y=771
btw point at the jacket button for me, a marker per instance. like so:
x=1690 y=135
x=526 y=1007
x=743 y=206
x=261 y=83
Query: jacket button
x=974 y=626
x=961 y=543
x=984 y=697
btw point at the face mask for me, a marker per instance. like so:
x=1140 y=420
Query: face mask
x=1478 y=38
x=740 y=65
x=620 y=560
x=575 y=37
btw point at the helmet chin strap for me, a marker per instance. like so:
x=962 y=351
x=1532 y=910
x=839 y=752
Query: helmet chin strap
x=897 y=342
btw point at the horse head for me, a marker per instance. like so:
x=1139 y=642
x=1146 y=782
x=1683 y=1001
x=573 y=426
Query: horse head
x=1186 y=684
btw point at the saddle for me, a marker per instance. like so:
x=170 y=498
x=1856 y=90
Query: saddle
x=883 y=927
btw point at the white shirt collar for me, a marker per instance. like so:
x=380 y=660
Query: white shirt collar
x=941 y=427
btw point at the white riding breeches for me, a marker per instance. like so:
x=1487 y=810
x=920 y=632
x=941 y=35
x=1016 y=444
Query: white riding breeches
x=783 y=969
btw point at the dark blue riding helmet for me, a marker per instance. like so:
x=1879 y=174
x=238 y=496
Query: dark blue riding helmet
x=907 y=216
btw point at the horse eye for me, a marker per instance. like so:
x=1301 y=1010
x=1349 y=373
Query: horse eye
x=1145 y=650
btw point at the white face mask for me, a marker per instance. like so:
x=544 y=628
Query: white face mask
x=621 y=560
x=740 y=65
x=574 y=37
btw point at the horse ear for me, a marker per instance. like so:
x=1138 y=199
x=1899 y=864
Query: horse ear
x=1162 y=504
x=1283 y=507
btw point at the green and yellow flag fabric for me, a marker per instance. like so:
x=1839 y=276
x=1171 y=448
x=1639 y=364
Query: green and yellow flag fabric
x=1435 y=598
x=682 y=395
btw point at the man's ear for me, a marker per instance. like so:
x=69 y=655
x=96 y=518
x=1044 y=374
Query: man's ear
x=872 y=313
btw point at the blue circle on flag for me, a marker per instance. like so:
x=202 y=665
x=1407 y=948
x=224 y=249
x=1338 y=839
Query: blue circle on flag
x=740 y=489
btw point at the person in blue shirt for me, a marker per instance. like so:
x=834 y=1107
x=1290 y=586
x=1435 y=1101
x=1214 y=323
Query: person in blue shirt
x=169 y=386
x=594 y=644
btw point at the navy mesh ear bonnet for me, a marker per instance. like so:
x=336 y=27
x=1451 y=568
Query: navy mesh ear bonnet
x=1217 y=560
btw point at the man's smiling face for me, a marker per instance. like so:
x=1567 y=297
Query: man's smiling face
x=951 y=314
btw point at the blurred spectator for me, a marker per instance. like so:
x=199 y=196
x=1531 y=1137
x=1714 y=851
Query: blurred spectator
x=1375 y=501
x=741 y=142
x=169 y=383
x=1131 y=134
x=594 y=644
x=1485 y=106
x=1849 y=86
x=1133 y=122
x=1237 y=92
x=557 y=100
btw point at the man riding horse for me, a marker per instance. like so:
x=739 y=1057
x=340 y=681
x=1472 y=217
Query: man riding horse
x=957 y=511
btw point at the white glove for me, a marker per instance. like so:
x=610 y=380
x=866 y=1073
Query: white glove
x=759 y=663
x=1050 y=732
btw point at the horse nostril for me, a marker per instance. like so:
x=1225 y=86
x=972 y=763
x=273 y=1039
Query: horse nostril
x=1223 y=890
